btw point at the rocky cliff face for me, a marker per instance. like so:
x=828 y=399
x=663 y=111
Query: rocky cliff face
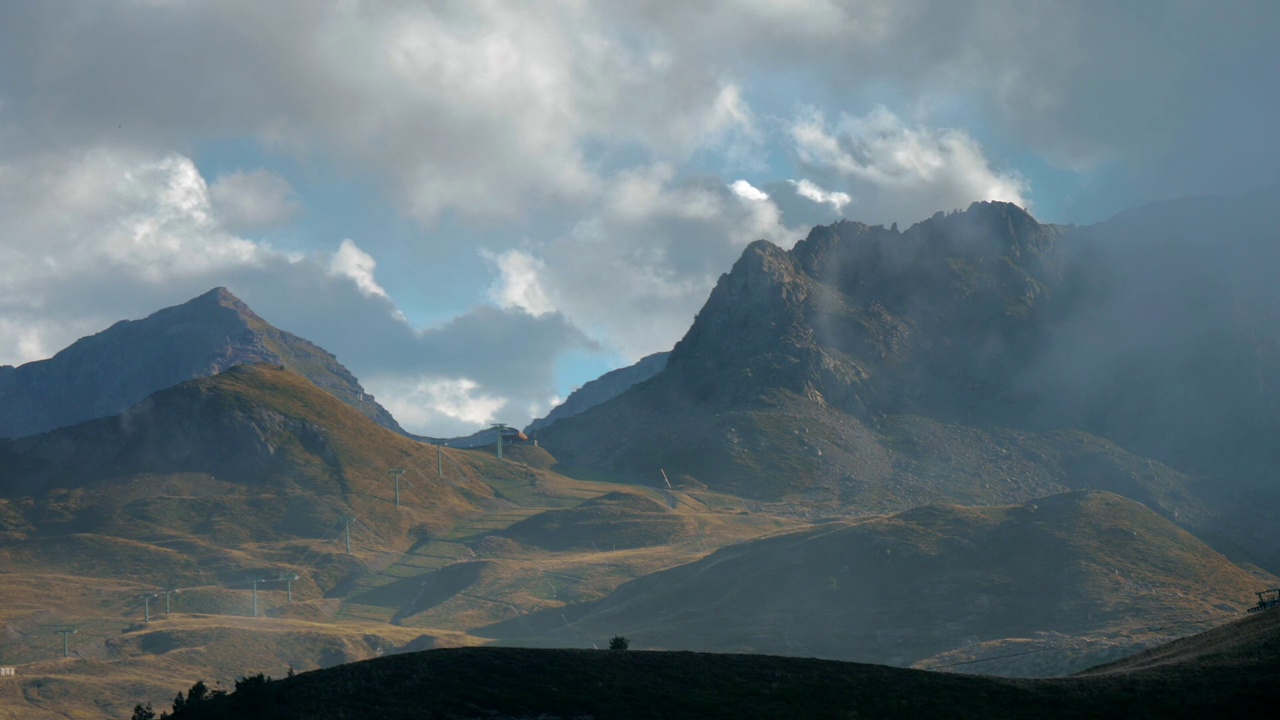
x=869 y=320
x=106 y=373
x=973 y=358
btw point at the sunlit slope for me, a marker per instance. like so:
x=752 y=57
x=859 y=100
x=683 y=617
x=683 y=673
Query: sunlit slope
x=258 y=466
x=175 y=508
x=254 y=455
x=902 y=588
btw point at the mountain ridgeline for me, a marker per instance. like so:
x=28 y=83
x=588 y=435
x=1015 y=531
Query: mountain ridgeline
x=106 y=373
x=604 y=388
x=977 y=357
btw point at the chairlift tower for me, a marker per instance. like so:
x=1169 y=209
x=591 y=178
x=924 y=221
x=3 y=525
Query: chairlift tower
x=64 y=631
x=346 y=530
x=255 y=582
x=166 y=594
x=395 y=473
x=288 y=581
x=499 y=427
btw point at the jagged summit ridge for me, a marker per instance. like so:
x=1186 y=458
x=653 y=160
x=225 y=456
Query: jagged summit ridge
x=852 y=302
x=880 y=369
x=105 y=373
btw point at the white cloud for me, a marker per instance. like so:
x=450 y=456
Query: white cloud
x=449 y=406
x=109 y=221
x=97 y=237
x=747 y=191
x=481 y=108
x=901 y=172
x=809 y=190
x=519 y=283
x=357 y=265
x=246 y=201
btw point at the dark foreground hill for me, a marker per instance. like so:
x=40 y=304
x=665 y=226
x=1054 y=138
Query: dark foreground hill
x=104 y=374
x=1217 y=678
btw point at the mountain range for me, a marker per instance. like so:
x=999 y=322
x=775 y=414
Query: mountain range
x=984 y=441
x=977 y=357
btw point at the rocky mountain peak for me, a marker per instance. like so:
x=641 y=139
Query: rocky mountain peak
x=105 y=373
x=221 y=297
x=852 y=302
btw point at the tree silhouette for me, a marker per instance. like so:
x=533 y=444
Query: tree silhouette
x=619 y=643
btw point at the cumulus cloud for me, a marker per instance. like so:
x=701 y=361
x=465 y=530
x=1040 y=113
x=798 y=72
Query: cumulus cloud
x=99 y=236
x=247 y=201
x=448 y=107
x=356 y=265
x=589 y=146
x=69 y=219
x=519 y=282
x=746 y=190
x=450 y=406
x=808 y=190
x=899 y=171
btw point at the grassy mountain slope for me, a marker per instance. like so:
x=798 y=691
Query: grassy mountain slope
x=208 y=485
x=903 y=588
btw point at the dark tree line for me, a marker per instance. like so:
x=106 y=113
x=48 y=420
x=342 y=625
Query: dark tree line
x=253 y=694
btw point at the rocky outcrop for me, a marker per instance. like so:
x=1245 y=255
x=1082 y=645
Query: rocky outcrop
x=106 y=373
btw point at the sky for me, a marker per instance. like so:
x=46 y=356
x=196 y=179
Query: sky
x=479 y=206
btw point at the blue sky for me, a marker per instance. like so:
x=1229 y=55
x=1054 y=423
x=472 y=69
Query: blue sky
x=477 y=206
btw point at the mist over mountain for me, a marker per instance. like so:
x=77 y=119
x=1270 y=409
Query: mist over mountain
x=108 y=372
x=974 y=354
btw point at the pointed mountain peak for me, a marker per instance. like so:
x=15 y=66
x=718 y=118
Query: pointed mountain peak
x=106 y=373
x=219 y=297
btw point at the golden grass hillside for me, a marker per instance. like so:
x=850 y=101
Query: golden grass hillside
x=255 y=474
